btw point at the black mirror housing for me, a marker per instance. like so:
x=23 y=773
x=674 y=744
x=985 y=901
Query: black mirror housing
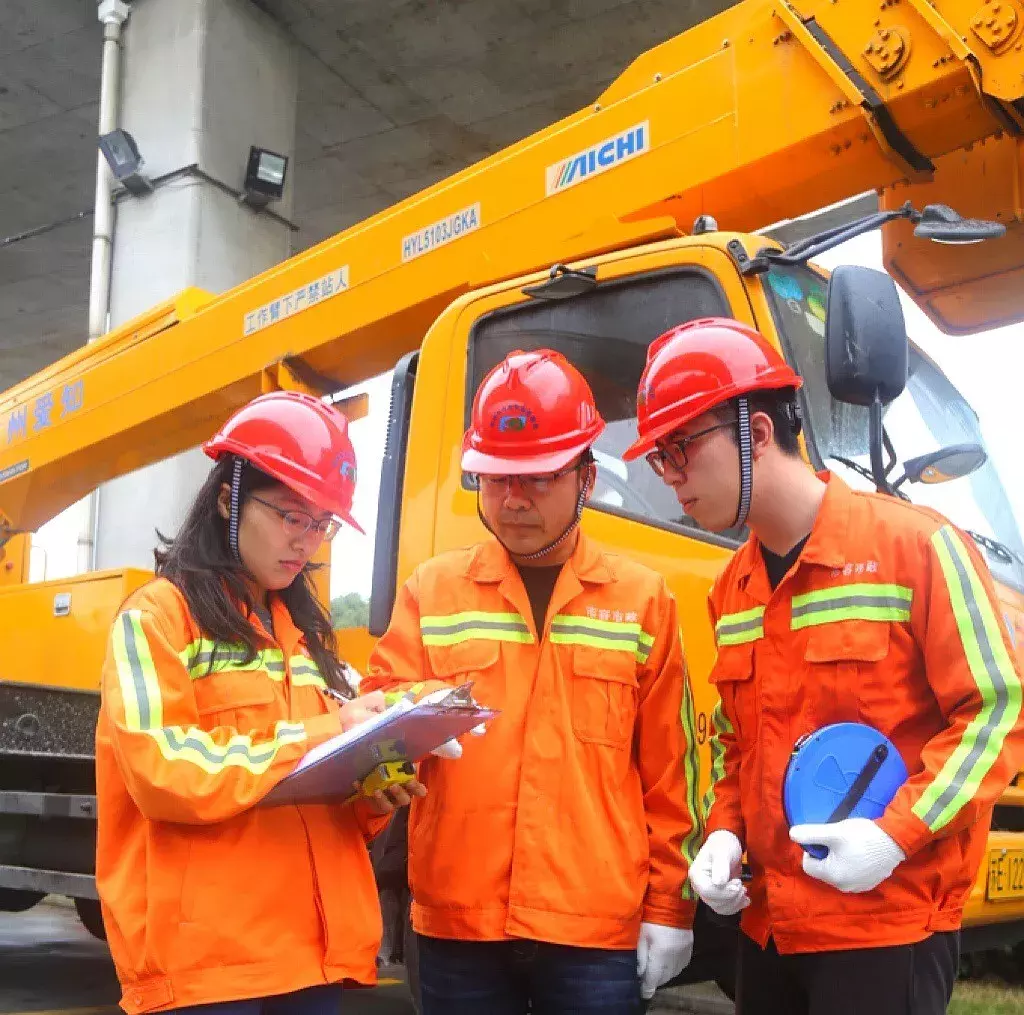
x=866 y=345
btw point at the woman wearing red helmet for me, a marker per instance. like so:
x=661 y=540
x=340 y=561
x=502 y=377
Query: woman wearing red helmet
x=221 y=674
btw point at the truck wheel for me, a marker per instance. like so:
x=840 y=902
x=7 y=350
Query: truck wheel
x=89 y=913
x=14 y=901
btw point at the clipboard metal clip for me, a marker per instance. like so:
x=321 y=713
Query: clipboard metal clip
x=461 y=697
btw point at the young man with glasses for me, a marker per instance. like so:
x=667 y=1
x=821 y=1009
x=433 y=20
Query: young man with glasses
x=841 y=607
x=548 y=869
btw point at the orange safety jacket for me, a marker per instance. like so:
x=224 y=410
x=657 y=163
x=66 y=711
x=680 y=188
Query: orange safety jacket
x=205 y=897
x=889 y=618
x=576 y=815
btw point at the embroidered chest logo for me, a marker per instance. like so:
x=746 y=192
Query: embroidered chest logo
x=617 y=616
x=858 y=567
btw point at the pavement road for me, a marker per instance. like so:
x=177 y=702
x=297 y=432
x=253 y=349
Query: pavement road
x=51 y=965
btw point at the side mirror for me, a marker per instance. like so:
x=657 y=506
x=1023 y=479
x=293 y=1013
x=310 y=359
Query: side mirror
x=942 y=224
x=866 y=349
x=952 y=462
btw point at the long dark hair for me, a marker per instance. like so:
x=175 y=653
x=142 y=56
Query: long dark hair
x=198 y=560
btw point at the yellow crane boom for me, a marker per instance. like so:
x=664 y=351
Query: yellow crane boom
x=768 y=111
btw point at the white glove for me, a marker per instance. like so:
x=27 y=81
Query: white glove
x=450 y=749
x=715 y=873
x=661 y=953
x=860 y=855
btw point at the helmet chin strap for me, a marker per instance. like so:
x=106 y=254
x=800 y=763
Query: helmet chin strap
x=236 y=484
x=555 y=543
x=746 y=446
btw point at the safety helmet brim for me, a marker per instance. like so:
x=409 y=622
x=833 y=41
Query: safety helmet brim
x=479 y=463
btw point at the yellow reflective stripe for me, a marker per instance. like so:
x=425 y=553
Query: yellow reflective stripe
x=878 y=601
x=614 y=628
x=136 y=672
x=722 y=727
x=306 y=673
x=994 y=675
x=140 y=689
x=740 y=628
x=130 y=693
x=474 y=624
x=691 y=843
x=191 y=651
x=618 y=636
x=643 y=649
x=228 y=657
x=179 y=743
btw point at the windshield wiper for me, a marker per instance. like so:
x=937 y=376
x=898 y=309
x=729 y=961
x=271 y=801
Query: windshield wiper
x=998 y=550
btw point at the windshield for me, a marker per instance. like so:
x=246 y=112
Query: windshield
x=930 y=414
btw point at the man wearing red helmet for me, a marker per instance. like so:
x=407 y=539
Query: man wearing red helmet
x=548 y=868
x=841 y=607
x=221 y=674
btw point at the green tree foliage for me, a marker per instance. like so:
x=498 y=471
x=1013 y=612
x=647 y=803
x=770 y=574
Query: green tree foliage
x=350 y=610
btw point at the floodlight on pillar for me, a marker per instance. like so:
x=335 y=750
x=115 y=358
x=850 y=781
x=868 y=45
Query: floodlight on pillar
x=264 y=177
x=122 y=155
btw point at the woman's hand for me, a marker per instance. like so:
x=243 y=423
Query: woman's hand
x=358 y=710
x=384 y=801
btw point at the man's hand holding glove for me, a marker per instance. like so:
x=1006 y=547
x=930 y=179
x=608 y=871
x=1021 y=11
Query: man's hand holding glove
x=860 y=855
x=661 y=953
x=715 y=873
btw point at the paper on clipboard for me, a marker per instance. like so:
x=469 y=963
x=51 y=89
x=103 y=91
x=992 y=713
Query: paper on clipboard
x=406 y=731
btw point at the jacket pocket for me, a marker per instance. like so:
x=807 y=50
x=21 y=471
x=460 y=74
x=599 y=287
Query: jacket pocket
x=843 y=662
x=239 y=698
x=604 y=696
x=862 y=641
x=465 y=657
x=732 y=675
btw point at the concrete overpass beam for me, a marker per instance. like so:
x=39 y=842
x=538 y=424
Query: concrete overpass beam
x=203 y=80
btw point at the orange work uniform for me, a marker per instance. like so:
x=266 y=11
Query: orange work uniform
x=889 y=618
x=576 y=815
x=206 y=898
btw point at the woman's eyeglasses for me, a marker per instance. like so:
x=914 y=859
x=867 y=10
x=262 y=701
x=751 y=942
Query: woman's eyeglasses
x=298 y=523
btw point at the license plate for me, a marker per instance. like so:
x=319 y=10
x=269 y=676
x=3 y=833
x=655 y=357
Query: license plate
x=1005 y=874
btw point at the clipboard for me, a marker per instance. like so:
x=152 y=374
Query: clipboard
x=406 y=731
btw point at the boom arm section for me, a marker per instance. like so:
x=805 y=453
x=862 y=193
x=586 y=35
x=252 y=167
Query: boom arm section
x=765 y=112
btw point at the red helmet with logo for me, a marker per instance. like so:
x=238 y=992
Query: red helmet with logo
x=533 y=413
x=696 y=366
x=300 y=441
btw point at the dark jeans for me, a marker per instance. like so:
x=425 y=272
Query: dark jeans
x=322 y=1000
x=515 y=977
x=900 y=980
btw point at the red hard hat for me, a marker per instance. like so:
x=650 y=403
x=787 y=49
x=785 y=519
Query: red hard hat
x=300 y=441
x=533 y=413
x=696 y=366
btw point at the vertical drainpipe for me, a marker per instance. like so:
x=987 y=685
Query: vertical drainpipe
x=112 y=15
